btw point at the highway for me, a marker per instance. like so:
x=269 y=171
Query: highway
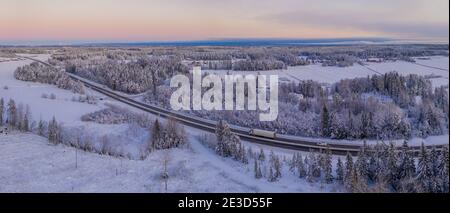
x=281 y=141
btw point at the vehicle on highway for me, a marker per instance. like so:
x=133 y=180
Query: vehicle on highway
x=263 y=133
x=322 y=144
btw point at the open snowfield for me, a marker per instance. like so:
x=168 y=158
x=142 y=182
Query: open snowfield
x=317 y=72
x=29 y=164
x=31 y=93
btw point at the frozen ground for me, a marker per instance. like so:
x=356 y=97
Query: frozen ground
x=438 y=65
x=29 y=164
x=31 y=93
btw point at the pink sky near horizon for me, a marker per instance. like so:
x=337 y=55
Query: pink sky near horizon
x=158 y=20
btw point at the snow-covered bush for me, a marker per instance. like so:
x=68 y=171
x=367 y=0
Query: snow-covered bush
x=117 y=115
x=170 y=135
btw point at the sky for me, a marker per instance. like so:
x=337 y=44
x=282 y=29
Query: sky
x=182 y=20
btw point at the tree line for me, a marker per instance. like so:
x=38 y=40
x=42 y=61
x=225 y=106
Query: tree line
x=376 y=168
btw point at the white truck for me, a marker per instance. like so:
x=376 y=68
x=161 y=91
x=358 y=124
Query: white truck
x=263 y=133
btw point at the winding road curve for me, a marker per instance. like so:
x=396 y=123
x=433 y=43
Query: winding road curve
x=281 y=141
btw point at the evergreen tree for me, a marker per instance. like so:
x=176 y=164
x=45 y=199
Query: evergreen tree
x=271 y=177
x=424 y=172
x=348 y=171
x=357 y=183
x=325 y=121
x=406 y=167
x=41 y=128
x=257 y=170
x=372 y=168
x=53 y=131
x=392 y=172
x=362 y=165
x=434 y=162
x=313 y=172
x=221 y=131
x=20 y=116
x=328 y=167
x=301 y=167
x=443 y=170
x=243 y=154
x=156 y=135
x=340 y=171
x=26 y=119
x=364 y=125
x=293 y=163
x=12 y=113
x=261 y=156
x=276 y=165
x=227 y=142
x=435 y=172
x=2 y=110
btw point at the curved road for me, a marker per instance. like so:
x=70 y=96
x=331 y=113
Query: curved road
x=282 y=141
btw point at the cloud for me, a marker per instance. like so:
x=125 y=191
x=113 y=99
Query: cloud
x=397 y=20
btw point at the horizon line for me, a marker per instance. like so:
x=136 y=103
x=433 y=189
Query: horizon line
x=220 y=42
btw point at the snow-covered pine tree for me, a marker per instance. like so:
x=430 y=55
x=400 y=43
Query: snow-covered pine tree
x=434 y=162
x=271 y=177
x=239 y=153
x=313 y=171
x=175 y=134
x=244 y=156
x=309 y=170
x=317 y=172
x=220 y=134
x=301 y=167
x=261 y=156
x=156 y=135
x=392 y=171
x=424 y=172
x=293 y=163
x=233 y=145
x=407 y=167
x=20 y=115
x=372 y=168
x=434 y=166
x=53 y=131
x=2 y=110
x=325 y=124
x=258 y=173
x=227 y=142
x=328 y=167
x=26 y=119
x=41 y=127
x=340 y=171
x=443 y=169
x=348 y=171
x=361 y=165
x=250 y=153
x=12 y=113
x=276 y=165
x=358 y=184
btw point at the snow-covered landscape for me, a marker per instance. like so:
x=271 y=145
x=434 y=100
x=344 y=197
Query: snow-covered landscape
x=192 y=169
x=102 y=145
x=438 y=66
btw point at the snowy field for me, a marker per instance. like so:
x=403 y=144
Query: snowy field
x=29 y=164
x=31 y=93
x=438 y=65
